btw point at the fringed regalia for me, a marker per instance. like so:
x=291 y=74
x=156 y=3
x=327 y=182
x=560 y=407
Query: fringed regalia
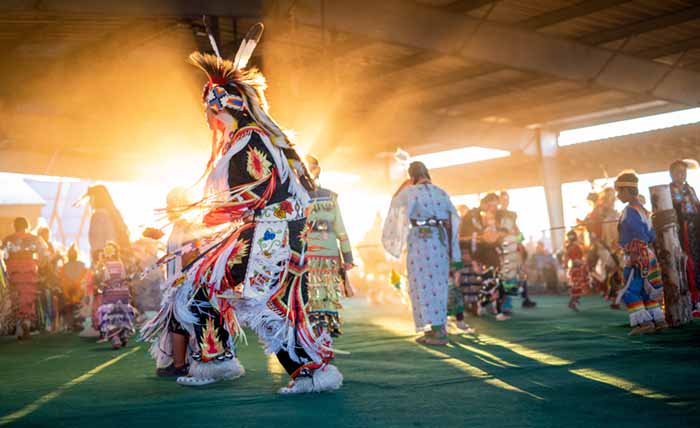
x=687 y=207
x=115 y=315
x=577 y=272
x=603 y=257
x=643 y=287
x=72 y=276
x=511 y=249
x=251 y=268
x=328 y=248
x=23 y=252
x=513 y=256
x=482 y=228
x=146 y=291
x=7 y=322
x=469 y=282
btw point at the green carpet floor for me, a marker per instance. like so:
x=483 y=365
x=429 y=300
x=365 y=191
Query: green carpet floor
x=546 y=367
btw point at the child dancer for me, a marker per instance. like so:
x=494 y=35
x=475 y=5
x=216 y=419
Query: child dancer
x=115 y=315
x=577 y=270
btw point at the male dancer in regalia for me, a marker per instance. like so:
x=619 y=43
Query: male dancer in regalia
x=250 y=270
x=603 y=257
x=643 y=288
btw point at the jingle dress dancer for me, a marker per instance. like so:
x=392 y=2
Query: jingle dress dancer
x=250 y=270
x=422 y=217
x=329 y=257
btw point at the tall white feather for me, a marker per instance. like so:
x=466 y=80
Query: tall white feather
x=248 y=45
x=212 y=40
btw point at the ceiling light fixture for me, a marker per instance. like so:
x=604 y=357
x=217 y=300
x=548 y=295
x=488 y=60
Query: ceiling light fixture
x=461 y=156
x=629 y=127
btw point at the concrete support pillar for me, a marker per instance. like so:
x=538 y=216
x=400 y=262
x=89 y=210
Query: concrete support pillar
x=551 y=178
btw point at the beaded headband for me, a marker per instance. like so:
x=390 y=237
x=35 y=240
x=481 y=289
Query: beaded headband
x=218 y=98
x=620 y=184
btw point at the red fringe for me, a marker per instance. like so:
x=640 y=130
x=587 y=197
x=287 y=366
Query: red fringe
x=236 y=211
x=212 y=258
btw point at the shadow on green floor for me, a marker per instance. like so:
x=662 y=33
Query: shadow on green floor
x=546 y=367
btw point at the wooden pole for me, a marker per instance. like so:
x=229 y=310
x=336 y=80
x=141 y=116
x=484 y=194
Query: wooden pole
x=671 y=257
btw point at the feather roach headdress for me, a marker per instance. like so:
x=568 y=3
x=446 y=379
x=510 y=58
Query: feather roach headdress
x=234 y=88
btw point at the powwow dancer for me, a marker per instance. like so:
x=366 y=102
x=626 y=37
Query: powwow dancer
x=146 y=290
x=328 y=256
x=643 y=289
x=481 y=224
x=115 y=316
x=423 y=217
x=602 y=258
x=513 y=253
x=465 y=289
x=250 y=270
x=687 y=206
x=7 y=325
x=184 y=233
x=106 y=224
x=576 y=269
x=72 y=275
x=25 y=253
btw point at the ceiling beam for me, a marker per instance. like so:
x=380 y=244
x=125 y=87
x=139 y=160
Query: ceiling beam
x=485 y=94
x=593 y=38
x=568 y=13
x=536 y=22
x=514 y=48
x=465 y=6
x=422 y=57
x=670 y=49
x=576 y=104
x=409 y=62
x=644 y=26
x=136 y=8
x=537 y=82
x=580 y=161
x=570 y=120
x=576 y=163
x=405 y=65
